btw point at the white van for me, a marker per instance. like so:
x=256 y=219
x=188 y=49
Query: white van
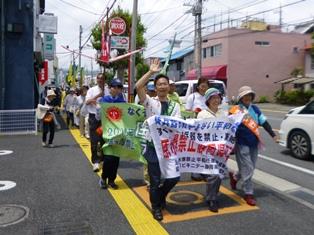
x=187 y=87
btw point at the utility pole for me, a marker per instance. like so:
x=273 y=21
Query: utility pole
x=280 y=17
x=80 y=51
x=197 y=12
x=133 y=47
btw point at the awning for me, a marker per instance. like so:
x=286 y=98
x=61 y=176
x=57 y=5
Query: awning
x=287 y=80
x=210 y=72
x=303 y=81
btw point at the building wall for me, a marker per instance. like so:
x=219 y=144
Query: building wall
x=255 y=65
x=19 y=67
x=309 y=62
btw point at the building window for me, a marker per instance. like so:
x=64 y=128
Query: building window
x=179 y=66
x=262 y=43
x=312 y=61
x=204 y=53
x=213 y=51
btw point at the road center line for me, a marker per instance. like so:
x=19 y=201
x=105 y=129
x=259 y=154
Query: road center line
x=304 y=170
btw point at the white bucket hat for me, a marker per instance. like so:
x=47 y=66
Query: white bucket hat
x=245 y=90
x=51 y=93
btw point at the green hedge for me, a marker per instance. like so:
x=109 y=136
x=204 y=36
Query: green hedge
x=294 y=97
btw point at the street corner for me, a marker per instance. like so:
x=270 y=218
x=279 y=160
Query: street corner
x=187 y=201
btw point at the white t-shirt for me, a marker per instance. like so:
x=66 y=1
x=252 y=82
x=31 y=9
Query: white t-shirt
x=194 y=101
x=153 y=107
x=91 y=93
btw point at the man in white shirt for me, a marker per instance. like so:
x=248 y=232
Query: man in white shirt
x=159 y=105
x=92 y=95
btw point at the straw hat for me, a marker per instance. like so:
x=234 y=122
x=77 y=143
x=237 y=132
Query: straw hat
x=51 y=93
x=245 y=90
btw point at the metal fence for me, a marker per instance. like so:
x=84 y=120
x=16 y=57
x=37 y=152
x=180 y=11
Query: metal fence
x=18 y=122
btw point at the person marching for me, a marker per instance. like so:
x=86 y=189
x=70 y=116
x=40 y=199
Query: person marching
x=213 y=99
x=48 y=119
x=110 y=162
x=92 y=95
x=159 y=105
x=196 y=102
x=247 y=140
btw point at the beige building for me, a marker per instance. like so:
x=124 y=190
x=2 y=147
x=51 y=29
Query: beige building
x=254 y=58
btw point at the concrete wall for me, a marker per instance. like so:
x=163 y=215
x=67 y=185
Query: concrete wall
x=19 y=68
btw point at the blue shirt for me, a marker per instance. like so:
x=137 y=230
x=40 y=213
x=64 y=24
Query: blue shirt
x=244 y=135
x=110 y=99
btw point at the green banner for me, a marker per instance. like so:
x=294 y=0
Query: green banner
x=123 y=130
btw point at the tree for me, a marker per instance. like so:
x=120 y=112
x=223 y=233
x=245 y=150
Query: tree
x=122 y=65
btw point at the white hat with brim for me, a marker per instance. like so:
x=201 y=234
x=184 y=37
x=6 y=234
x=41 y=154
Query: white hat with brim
x=51 y=93
x=245 y=90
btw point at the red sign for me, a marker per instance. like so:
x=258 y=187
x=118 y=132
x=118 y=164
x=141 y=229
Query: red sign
x=104 y=45
x=117 y=25
x=114 y=114
x=43 y=74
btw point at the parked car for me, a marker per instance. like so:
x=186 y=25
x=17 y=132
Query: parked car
x=297 y=131
x=187 y=87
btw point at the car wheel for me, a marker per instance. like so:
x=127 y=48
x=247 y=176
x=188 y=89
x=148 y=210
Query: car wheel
x=299 y=145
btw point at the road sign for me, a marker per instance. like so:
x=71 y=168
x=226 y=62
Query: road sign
x=119 y=42
x=117 y=25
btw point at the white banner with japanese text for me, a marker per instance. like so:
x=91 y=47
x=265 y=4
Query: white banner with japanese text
x=193 y=145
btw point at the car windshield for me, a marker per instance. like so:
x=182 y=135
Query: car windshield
x=181 y=89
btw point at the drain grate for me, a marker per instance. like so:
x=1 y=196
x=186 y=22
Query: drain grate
x=305 y=196
x=68 y=228
x=12 y=214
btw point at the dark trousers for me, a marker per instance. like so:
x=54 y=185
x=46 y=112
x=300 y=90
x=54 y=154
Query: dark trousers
x=48 y=127
x=94 y=138
x=212 y=187
x=70 y=118
x=110 y=168
x=158 y=192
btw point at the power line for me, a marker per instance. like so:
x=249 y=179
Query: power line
x=240 y=18
x=77 y=7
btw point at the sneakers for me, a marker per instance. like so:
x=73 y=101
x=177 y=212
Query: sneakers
x=96 y=167
x=233 y=181
x=213 y=206
x=250 y=200
x=43 y=144
x=157 y=214
x=102 y=184
x=51 y=146
x=113 y=185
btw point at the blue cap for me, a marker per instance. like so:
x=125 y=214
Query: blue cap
x=211 y=92
x=116 y=83
x=150 y=86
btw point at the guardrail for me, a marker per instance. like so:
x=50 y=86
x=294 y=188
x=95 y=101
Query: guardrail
x=18 y=122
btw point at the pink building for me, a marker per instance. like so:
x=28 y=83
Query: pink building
x=253 y=58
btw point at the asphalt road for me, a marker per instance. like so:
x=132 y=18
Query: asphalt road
x=62 y=194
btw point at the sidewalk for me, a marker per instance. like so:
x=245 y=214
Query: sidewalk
x=275 y=107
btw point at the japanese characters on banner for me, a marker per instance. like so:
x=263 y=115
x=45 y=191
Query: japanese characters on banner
x=193 y=145
x=123 y=130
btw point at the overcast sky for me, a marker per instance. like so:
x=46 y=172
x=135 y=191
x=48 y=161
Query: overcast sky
x=159 y=14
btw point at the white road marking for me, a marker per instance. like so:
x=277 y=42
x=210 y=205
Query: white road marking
x=6 y=185
x=5 y=152
x=304 y=170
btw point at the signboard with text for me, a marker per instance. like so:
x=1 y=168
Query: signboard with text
x=119 y=42
x=49 y=46
x=117 y=25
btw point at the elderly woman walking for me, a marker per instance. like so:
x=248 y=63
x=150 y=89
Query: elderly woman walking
x=247 y=141
x=213 y=99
